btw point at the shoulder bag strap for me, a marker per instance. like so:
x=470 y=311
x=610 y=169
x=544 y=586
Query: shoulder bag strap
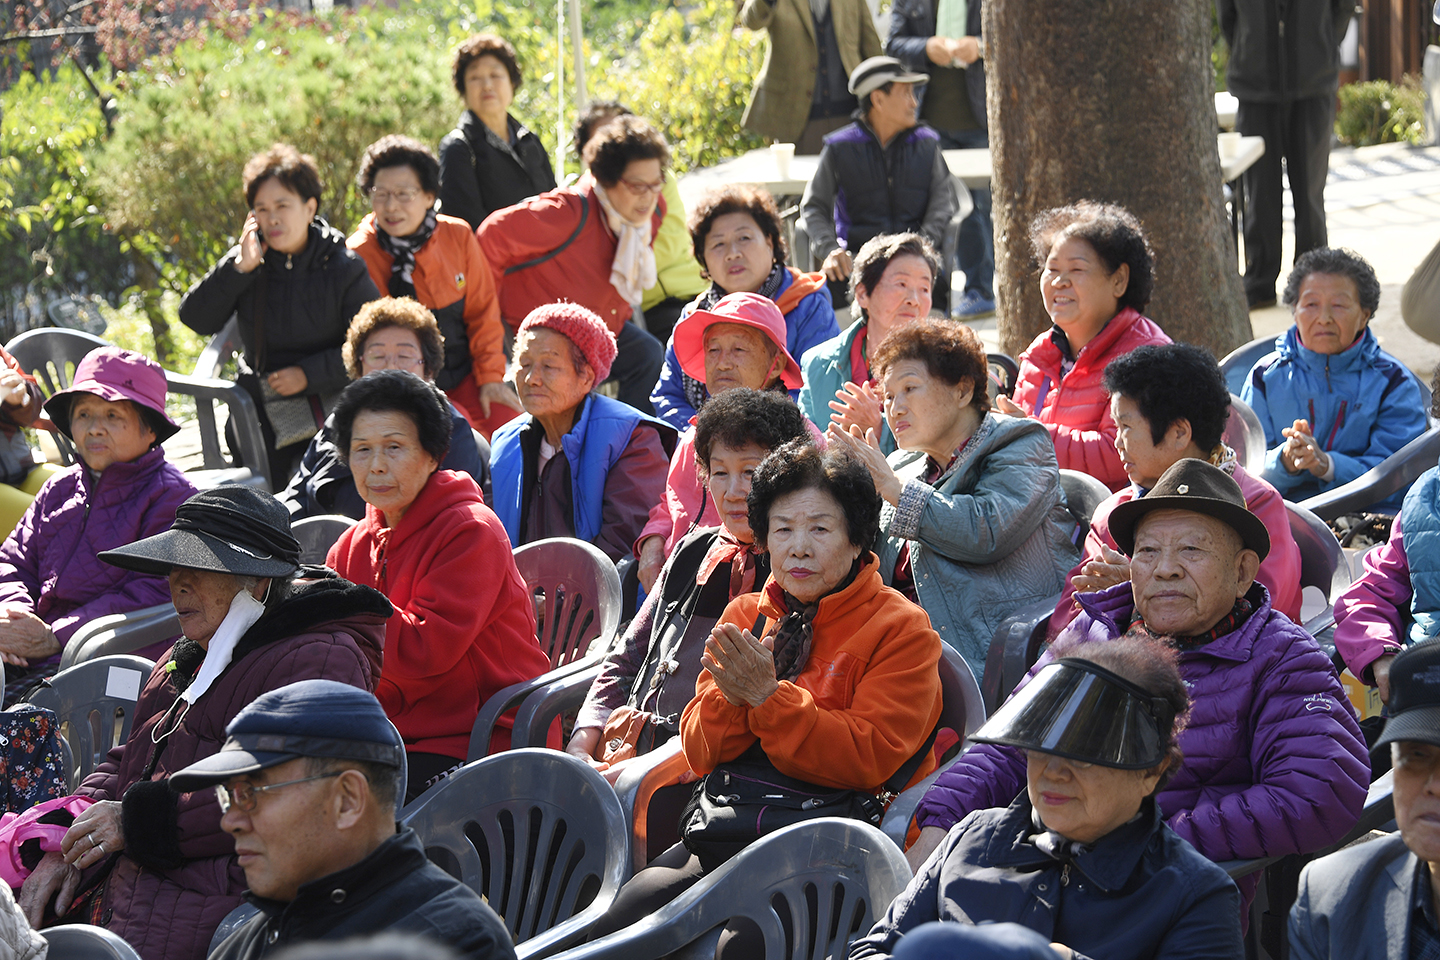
x=584 y=216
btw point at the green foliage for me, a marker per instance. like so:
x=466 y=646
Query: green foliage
x=1378 y=111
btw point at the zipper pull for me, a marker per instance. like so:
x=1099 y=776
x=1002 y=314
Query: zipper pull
x=289 y=262
x=1065 y=875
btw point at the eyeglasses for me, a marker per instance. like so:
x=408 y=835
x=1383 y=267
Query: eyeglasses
x=640 y=188
x=243 y=795
x=381 y=198
x=396 y=361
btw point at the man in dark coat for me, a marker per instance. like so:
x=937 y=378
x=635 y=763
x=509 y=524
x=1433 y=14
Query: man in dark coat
x=308 y=780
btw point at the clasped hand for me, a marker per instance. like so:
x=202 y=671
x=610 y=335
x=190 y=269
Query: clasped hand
x=25 y=637
x=742 y=667
x=1302 y=451
x=96 y=834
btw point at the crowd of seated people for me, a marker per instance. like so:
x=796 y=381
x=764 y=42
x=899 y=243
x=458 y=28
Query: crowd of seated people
x=812 y=539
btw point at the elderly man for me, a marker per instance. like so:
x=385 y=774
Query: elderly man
x=1274 y=761
x=307 y=780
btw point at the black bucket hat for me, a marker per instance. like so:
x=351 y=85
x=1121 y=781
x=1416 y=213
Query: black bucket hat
x=1077 y=709
x=228 y=529
x=1193 y=485
x=1414 y=705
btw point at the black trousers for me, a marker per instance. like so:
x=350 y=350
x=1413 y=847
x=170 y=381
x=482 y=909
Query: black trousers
x=637 y=366
x=1297 y=133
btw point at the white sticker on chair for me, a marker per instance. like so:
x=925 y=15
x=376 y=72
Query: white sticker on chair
x=123 y=684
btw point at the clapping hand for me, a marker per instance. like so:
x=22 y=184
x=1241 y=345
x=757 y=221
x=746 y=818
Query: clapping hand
x=1111 y=568
x=866 y=449
x=857 y=405
x=1302 y=451
x=742 y=667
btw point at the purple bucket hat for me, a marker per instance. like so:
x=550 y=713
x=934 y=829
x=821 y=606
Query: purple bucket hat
x=112 y=374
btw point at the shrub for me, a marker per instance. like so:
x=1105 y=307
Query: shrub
x=1378 y=111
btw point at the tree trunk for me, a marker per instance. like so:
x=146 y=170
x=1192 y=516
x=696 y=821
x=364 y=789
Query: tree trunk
x=1112 y=100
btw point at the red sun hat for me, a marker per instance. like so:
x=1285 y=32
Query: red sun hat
x=113 y=374
x=746 y=309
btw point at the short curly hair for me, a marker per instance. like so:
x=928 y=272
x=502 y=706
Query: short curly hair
x=480 y=45
x=752 y=201
x=1153 y=667
x=619 y=144
x=596 y=114
x=1173 y=381
x=950 y=351
x=1340 y=262
x=394 y=312
x=801 y=465
x=398 y=150
x=876 y=254
x=296 y=171
x=1113 y=232
x=740 y=417
x=396 y=391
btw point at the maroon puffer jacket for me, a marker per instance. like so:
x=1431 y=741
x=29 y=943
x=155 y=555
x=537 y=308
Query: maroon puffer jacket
x=178 y=876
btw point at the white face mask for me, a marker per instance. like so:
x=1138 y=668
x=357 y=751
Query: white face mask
x=244 y=611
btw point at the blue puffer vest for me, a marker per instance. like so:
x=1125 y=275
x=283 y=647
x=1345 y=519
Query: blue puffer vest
x=600 y=435
x=1420 y=518
x=880 y=190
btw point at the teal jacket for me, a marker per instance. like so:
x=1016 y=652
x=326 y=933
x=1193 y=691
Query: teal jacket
x=826 y=367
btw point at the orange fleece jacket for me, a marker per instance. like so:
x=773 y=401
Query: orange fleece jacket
x=865 y=702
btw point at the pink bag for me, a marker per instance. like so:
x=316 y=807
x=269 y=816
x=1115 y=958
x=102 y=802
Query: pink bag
x=16 y=829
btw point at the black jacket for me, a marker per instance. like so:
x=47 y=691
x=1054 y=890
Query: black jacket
x=480 y=173
x=395 y=889
x=1282 y=50
x=912 y=22
x=310 y=299
x=1137 y=893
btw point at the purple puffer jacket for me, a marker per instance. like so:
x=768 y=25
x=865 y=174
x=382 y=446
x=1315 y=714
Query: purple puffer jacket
x=1274 y=760
x=178 y=876
x=48 y=564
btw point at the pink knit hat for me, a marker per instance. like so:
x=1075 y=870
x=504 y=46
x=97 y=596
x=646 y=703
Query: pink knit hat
x=581 y=327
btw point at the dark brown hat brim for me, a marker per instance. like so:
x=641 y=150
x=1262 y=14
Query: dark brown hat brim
x=1124 y=519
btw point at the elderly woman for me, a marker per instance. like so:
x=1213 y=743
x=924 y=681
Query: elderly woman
x=708 y=568
x=974 y=523
x=1275 y=763
x=1333 y=404
x=489 y=160
x=387 y=334
x=1082 y=855
x=740 y=342
x=1099 y=272
x=579 y=464
x=293 y=286
x=841 y=695
x=737 y=235
x=20 y=477
x=464 y=623
x=890 y=282
x=412 y=251
x=592 y=244
x=153 y=865
x=121 y=490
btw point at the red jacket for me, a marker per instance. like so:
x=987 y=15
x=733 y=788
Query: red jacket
x=464 y=624
x=580 y=273
x=1076 y=408
x=451 y=278
x=1279 y=571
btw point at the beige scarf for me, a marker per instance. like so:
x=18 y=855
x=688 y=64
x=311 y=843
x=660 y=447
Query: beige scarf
x=633 y=270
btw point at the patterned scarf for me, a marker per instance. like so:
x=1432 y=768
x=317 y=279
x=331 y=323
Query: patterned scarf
x=402 y=253
x=1224 y=458
x=695 y=391
x=1231 y=622
x=740 y=556
x=795 y=632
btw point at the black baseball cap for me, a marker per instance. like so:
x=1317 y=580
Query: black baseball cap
x=1414 y=695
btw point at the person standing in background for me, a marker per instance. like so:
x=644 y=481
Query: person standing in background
x=942 y=38
x=801 y=92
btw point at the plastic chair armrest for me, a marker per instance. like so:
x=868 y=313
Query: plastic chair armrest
x=539 y=710
x=901 y=811
x=244 y=420
x=637 y=783
x=128 y=632
x=508 y=698
x=1394 y=473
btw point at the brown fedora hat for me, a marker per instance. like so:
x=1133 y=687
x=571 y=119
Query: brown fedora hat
x=1193 y=485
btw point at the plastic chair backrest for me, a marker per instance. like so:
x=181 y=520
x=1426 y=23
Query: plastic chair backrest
x=829 y=879
x=1236 y=364
x=210 y=365
x=50 y=355
x=80 y=941
x=1014 y=649
x=538 y=833
x=244 y=423
x=1004 y=372
x=577 y=595
x=1323 y=563
x=1083 y=494
x=1245 y=435
x=121 y=633
x=318 y=534
x=233 y=921
x=95 y=702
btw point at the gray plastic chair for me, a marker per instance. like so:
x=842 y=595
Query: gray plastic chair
x=1393 y=474
x=1014 y=650
x=210 y=365
x=1004 y=372
x=1244 y=434
x=538 y=833
x=1323 y=563
x=577 y=603
x=233 y=921
x=1083 y=494
x=830 y=878
x=244 y=423
x=318 y=534
x=80 y=941
x=1236 y=364
x=95 y=702
x=50 y=355
x=121 y=633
